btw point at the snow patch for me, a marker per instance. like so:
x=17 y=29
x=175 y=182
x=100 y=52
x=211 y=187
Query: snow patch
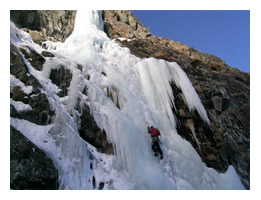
x=16 y=82
x=20 y=106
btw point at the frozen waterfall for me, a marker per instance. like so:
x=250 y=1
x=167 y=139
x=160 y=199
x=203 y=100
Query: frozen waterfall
x=143 y=92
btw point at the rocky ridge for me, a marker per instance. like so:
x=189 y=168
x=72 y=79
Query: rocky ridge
x=224 y=91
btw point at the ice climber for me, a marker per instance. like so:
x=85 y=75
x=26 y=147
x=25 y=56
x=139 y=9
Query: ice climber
x=155 y=142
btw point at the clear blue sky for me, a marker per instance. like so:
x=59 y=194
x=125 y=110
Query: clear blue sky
x=225 y=34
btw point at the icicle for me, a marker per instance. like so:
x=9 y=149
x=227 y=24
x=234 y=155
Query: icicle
x=190 y=125
x=191 y=97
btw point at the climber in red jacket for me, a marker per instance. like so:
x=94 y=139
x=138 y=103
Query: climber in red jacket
x=155 y=142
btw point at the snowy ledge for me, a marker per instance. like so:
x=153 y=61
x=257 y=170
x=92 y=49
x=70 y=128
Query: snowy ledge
x=123 y=39
x=20 y=106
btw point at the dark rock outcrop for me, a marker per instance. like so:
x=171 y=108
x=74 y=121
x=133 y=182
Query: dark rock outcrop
x=41 y=112
x=35 y=59
x=202 y=136
x=19 y=69
x=62 y=78
x=30 y=167
x=42 y=25
x=91 y=133
x=47 y=54
x=118 y=23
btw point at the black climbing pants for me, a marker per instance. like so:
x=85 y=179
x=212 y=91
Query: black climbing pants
x=156 y=147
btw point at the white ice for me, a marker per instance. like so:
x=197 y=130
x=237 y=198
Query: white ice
x=141 y=92
x=16 y=82
x=20 y=106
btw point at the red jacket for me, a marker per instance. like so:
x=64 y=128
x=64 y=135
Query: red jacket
x=154 y=131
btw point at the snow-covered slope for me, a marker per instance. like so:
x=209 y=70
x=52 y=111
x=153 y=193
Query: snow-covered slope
x=141 y=93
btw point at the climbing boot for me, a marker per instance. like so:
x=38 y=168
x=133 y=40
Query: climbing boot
x=161 y=156
x=156 y=153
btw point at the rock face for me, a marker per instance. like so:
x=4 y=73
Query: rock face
x=224 y=91
x=54 y=25
x=62 y=78
x=30 y=168
x=41 y=113
x=90 y=132
x=123 y=24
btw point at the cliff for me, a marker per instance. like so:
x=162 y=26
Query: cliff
x=224 y=91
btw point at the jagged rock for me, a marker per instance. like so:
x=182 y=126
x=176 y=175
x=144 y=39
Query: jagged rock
x=41 y=113
x=124 y=24
x=162 y=48
x=90 y=132
x=217 y=103
x=47 y=54
x=62 y=78
x=35 y=59
x=20 y=70
x=17 y=65
x=226 y=98
x=101 y=186
x=18 y=95
x=203 y=139
x=29 y=19
x=42 y=25
x=30 y=168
